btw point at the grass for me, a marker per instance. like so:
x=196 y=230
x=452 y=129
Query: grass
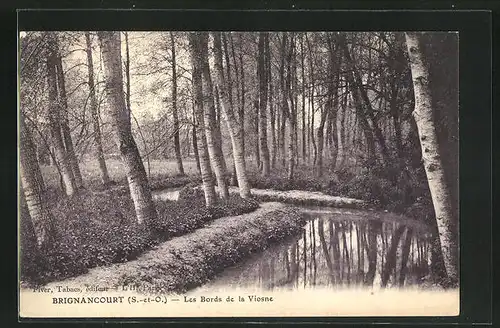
x=161 y=170
x=186 y=262
x=95 y=229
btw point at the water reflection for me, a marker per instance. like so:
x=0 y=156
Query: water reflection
x=340 y=248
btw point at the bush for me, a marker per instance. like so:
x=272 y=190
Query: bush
x=303 y=180
x=183 y=216
x=191 y=192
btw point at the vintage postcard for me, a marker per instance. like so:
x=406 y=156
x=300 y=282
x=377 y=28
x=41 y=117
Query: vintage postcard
x=238 y=174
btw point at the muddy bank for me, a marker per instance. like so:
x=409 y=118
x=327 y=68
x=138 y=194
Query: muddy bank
x=189 y=261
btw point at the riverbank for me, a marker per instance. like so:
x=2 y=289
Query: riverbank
x=295 y=197
x=185 y=262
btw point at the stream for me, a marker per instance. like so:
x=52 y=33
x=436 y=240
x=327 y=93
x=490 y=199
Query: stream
x=337 y=248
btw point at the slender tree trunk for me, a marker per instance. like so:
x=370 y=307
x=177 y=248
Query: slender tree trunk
x=373 y=228
x=241 y=110
x=235 y=129
x=120 y=122
x=390 y=262
x=272 y=111
x=55 y=119
x=66 y=132
x=175 y=114
x=263 y=87
x=423 y=116
x=312 y=91
x=356 y=81
x=99 y=153
x=404 y=257
x=33 y=188
x=197 y=64
x=303 y=74
x=195 y=143
x=127 y=75
x=210 y=120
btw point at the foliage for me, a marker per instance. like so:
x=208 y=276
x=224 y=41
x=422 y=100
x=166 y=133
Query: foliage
x=182 y=216
x=196 y=259
x=303 y=180
x=99 y=228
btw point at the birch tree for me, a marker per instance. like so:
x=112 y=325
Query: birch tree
x=54 y=115
x=235 y=129
x=423 y=115
x=99 y=153
x=120 y=122
x=33 y=188
x=206 y=171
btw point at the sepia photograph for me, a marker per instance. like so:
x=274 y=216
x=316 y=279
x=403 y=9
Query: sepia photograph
x=238 y=173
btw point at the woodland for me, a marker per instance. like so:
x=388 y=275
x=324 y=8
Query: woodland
x=106 y=119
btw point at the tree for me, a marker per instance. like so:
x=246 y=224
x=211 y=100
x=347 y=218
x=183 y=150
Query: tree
x=213 y=138
x=55 y=118
x=99 y=153
x=33 y=188
x=175 y=114
x=235 y=127
x=197 y=64
x=120 y=122
x=65 y=129
x=263 y=87
x=423 y=115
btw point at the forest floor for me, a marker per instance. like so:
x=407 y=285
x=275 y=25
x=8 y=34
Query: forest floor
x=190 y=260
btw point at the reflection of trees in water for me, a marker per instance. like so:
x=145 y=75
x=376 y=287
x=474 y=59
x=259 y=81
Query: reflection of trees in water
x=336 y=253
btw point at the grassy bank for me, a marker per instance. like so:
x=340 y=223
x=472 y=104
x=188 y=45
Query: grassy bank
x=188 y=261
x=301 y=197
x=95 y=229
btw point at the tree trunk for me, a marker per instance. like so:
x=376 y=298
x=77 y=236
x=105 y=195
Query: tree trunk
x=175 y=114
x=66 y=133
x=120 y=122
x=127 y=75
x=423 y=116
x=404 y=256
x=235 y=129
x=55 y=120
x=241 y=110
x=34 y=188
x=99 y=153
x=213 y=143
x=303 y=70
x=197 y=64
x=356 y=81
x=195 y=143
x=263 y=86
x=390 y=262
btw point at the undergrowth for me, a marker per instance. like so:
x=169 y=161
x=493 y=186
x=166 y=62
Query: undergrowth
x=99 y=228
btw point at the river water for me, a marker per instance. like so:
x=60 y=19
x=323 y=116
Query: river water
x=337 y=248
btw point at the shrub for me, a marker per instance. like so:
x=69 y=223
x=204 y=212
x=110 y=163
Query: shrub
x=182 y=216
x=191 y=192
